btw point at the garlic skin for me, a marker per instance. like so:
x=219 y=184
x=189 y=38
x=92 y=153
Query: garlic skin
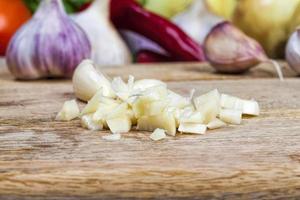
x=49 y=45
x=292 y=53
x=229 y=50
x=108 y=49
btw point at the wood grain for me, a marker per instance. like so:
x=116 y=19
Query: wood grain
x=44 y=159
x=182 y=72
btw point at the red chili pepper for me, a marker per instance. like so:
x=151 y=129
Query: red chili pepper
x=147 y=56
x=129 y=15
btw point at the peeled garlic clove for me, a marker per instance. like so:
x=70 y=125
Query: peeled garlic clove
x=164 y=121
x=251 y=107
x=229 y=50
x=69 y=111
x=121 y=124
x=231 y=102
x=292 y=53
x=231 y=116
x=93 y=103
x=216 y=123
x=87 y=81
x=88 y=123
x=147 y=83
x=158 y=134
x=192 y=128
x=49 y=45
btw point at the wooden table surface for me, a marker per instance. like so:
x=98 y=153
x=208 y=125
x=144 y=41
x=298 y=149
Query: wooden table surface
x=44 y=159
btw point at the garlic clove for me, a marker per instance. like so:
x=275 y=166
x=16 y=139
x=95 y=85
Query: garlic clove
x=194 y=117
x=88 y=123
x=208 y=104
x=87 y=81
x=231 y=116
x=292 y=52
x=192 y=128
x=108 y=48
x=229 y=50
x=93 y=103
x=69 y=111
x=158 y=134
x=120 y=124
x=231 y=102
x=215 y=124
x=147 y=83
x=251 y=107
x=164 y=121
x=248 y=107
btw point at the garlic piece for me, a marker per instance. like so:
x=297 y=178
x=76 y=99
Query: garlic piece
x=119 y=110
x=231 y=116
x=147 y=83
x=158 y=134
x=208 y=104
x=194 y=117
x=112 y=137
x=69 y=111
x=93 y=104
x=192 y=128
x=215 y=124
x=87 y=81
x=251 y=107
x=164 y=121
x=248 y=107
x=88 y=123
x=231 y=102
x=121 y=124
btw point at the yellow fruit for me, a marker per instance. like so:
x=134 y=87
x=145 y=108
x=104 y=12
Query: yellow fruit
x=167 y=8
x=267 y=21
x=223 y=8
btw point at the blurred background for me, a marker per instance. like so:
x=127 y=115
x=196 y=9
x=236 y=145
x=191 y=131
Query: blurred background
x=269 y=22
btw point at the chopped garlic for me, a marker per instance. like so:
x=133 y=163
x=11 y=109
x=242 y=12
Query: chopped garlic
x=158 y=134
x=119 y=110
x=147 y=83
x=231 y=102
x=112 y=137
x=208 y=104
x=164 y=121
x=194 y=117
x=216 y=123
x=102 y=111
x=231 y=116
x=93 y=103
x=250 y=107
x=69 y=111
x=121 y=124
x=88 y=123
x=192 y=128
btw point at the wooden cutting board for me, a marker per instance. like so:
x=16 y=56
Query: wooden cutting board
x=44 y=159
